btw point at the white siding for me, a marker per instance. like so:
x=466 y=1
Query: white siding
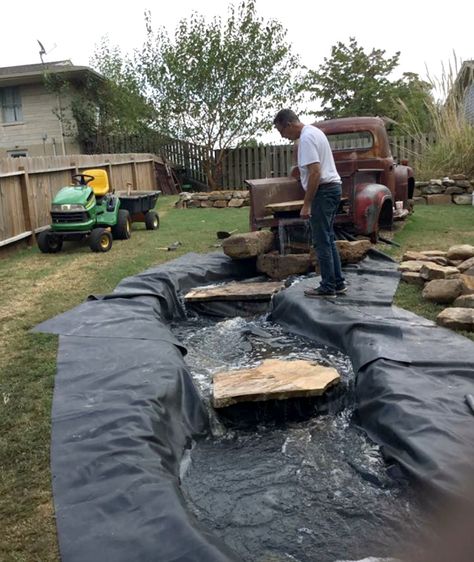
x=38 y=107
x=469 y=103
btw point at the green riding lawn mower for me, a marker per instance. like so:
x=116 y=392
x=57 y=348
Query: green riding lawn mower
x=90 y=209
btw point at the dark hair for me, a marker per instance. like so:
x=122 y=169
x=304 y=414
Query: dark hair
x=284 y=117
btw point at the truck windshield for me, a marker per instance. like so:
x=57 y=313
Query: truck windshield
x=360 y=140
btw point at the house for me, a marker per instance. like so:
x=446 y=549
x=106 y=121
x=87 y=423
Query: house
x=464 y=86
x=36 y=118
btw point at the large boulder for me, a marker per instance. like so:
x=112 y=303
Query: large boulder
x=413 y=278
x=466 y=265
x=438 y=199
x=280 y=267
x=434 y=253
x=432 y=271
x=443 y=291
x=424 y=256
x=468 y=284
x=353 y=252
x=463 y=199
x=412 y=265
x=457 y=319
x=433 y=188
x=460 y=252
x=248 y=245
x=464 y=301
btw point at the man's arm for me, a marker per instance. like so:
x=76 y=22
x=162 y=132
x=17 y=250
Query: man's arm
x=313 y=185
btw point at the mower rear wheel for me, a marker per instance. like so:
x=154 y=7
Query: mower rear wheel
x=100 y=240
x=122 y=230
x=49 y=243
x=152 y=220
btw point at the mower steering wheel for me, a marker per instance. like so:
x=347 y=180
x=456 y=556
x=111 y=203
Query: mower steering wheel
x=82 y=179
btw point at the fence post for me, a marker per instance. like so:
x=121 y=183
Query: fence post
x=28 y=210
x=134 y=173
x=237 y=168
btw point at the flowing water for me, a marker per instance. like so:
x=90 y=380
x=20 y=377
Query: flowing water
x=298 y=488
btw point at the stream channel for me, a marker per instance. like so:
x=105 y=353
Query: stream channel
x=294 y=480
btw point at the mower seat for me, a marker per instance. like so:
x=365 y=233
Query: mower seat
x=100 y=183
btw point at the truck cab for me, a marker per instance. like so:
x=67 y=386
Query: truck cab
x=371 y=179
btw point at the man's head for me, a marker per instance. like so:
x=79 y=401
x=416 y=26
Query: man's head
x=288 y=124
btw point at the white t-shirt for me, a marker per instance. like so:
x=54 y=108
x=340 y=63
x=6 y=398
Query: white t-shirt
x=314 y=147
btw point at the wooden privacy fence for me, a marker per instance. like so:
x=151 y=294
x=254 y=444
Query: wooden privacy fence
x=28 y=186
x=238 y=164
x=409 y=148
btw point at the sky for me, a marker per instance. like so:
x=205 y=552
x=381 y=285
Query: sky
x=426 y=33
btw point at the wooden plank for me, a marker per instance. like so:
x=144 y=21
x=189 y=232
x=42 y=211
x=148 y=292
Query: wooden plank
x=3 y=212
x=235 y=291
x=237 y=177
x=284 y=206
x=27 y=204
x=231 y=168
x=273 y=379
x=10 y=174
x=243 y=166
x=16 y=238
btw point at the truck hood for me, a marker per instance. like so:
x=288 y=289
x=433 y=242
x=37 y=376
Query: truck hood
x=77 y=195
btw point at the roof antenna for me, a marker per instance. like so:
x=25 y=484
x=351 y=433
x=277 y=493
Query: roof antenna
x=42 y=51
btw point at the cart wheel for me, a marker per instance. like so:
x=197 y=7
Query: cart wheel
x=49 y=243
x=152 y=220
x=100 y=240
x=122 y=230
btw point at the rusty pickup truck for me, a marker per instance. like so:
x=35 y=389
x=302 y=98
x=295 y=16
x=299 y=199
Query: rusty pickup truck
x=371 y=179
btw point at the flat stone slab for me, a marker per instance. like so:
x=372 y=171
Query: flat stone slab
x=286 y=206
x=235 y=291
x=274 y=379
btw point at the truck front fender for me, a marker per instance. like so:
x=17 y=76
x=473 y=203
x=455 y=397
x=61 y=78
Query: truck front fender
x=372 y=201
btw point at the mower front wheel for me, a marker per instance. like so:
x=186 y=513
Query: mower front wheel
x=49 y=243
x=100 y=240
x=152 y=220
x=122 y=230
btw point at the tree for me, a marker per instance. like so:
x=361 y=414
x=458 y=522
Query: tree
x=103 y=104
x=122 y=106
x=220 y=83
x=355 y=83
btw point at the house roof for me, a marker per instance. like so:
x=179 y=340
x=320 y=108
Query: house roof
x=33 y=73
x=466 y=74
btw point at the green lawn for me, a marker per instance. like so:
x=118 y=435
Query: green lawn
x=36 y=286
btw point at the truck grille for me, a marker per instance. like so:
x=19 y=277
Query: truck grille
x=61 y=218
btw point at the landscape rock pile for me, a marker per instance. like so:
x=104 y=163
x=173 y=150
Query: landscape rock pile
x=445 y=278
x=263 y=246
x=217 y=199
x=456 y=189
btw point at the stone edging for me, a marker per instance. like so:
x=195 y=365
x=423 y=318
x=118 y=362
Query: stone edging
x=457 y=189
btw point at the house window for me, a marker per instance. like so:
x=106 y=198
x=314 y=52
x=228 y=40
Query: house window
x=17 y=153
x=11 y=105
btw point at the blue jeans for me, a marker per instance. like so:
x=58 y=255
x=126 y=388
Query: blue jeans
x=323 y=212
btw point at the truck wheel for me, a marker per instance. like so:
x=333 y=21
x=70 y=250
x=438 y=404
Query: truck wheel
x=49 y=243
x=100 y=240
x=152 y=220
x=122 y=230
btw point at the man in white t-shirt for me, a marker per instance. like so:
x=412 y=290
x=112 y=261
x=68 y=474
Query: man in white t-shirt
x=322 y=185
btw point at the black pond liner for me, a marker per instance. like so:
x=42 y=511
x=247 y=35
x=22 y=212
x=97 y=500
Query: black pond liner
x=125 y=407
